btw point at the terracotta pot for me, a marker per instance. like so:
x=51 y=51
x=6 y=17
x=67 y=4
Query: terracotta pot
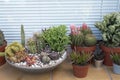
x=2 y=60
x=2 y=49
x=107 y=51
x=80 y=71
x=86 y=49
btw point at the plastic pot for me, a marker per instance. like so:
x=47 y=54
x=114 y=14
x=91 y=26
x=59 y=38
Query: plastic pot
x=116 y=68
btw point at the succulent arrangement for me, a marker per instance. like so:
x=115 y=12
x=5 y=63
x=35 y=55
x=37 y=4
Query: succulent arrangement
x=80 y=58
x=110 y=29
x=42 y=49
x=82 y=36
x=2 y=38
x=115 y=58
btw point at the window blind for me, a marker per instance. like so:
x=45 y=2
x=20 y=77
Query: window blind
x=38 y=14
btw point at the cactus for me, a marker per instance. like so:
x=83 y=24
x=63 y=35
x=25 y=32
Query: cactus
x=31 y=46
x=77 y=40
x=45 y=58
x=22 y=36
x=85 y=29
x=40 y=44
x=1 y=38
x=13 y=48
x=90 y=40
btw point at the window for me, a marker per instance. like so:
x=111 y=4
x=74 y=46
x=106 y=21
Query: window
x=38 y=14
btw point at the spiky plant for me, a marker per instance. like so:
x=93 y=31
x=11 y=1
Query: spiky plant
x=77 y=40
x=90 y=40
x=85 y=29
x=115 y=58
x=80 y=58
x=31 y=45
x=22 y=36
x=1 y=38
x=40 y=43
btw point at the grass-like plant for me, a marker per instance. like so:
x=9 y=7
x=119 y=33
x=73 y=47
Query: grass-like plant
x=115 y=58
x=80 y=58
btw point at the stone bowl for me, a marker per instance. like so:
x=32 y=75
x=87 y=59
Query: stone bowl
x=44 y=68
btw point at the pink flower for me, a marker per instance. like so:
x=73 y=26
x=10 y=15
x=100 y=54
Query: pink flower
x=84 y=26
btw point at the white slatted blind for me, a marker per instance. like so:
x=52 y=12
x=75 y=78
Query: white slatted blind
x=37 y=14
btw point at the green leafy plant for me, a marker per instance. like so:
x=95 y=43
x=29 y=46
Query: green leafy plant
x=2 y=38
x=80 y=58
x=110 y=29
x=115 y=58
x=56 y=38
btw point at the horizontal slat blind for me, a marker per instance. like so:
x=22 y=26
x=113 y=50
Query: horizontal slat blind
x=38 y=14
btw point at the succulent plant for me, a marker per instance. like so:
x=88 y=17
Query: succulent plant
x=115 y=58
x=56 y=38
x=22 y=36
x=110 y=29
x=1 y=38
x=82 y=36
x=85 y=29
x=90 y=40
x=54 y=55
x=45 y=58
x=80 y=58
x=98 y=54
x=15 y=52
x=40 y=44
x=77 y=40
x=31 y=45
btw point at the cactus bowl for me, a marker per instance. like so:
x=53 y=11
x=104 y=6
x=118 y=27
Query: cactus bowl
x=40 y=67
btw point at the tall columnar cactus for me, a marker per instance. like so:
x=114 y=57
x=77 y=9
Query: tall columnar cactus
x=22 y=36
x=1 y=38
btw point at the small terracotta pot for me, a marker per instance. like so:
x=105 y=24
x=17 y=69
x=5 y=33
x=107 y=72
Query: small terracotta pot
x=2 y=60
x=80 y=71
x=86 y=49
x=107 y=51
x=2 y=49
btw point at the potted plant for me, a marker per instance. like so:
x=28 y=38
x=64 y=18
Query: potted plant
x=98 y=58
x=110 y=29
x=80 y=63
x=116 y=62
x=3 y=44
x=82 y=38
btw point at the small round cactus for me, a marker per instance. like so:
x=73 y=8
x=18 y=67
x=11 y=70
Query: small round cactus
x=45 y=59
x=90 y=40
